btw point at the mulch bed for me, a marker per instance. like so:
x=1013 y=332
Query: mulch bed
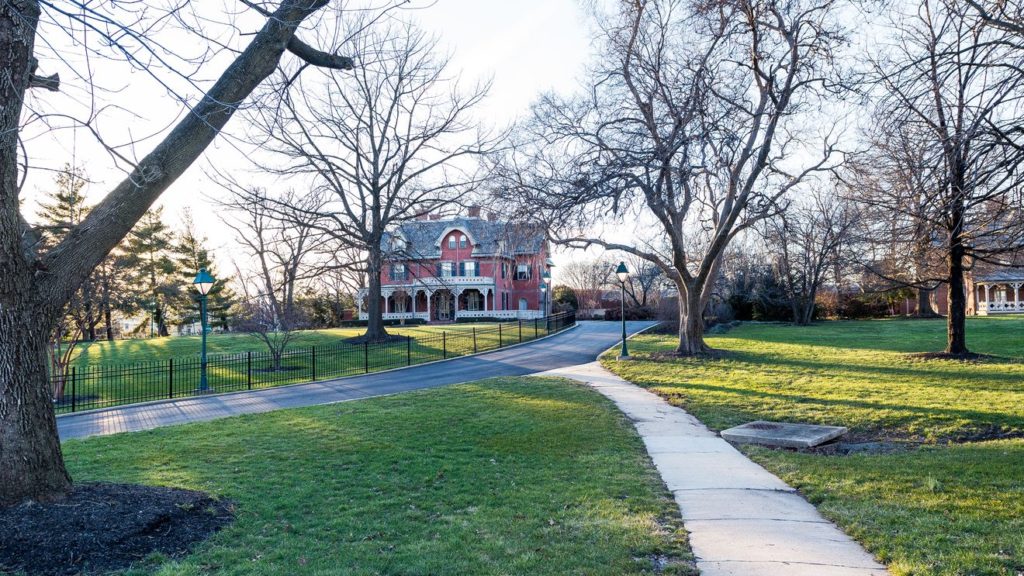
x=103 y=527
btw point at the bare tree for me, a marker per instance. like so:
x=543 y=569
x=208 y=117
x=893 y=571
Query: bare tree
x=36 y=285
x=283 y=238
x=688 y=125
x=588 y=280
x=951 y=86
x=645 y=279
x=388 y=143
x=808 y=239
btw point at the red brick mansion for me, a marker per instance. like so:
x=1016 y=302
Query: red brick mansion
x=441 y=270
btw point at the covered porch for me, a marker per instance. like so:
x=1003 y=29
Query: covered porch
x=441 y=304
x=1000 y=293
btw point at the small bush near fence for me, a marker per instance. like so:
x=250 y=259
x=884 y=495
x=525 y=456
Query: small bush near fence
x=103 y=386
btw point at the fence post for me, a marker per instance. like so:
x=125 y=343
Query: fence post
x=248 y=369
x=366 y=356
x=312 y=351
x=520 y=331
x=408 y=350
x=535 y=331
x=499 y=335
x=444 y=345
x=170 y=378
x=74 y=379
x=474 y=339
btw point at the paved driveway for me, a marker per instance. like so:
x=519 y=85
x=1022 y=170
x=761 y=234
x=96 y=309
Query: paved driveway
x=577 y=346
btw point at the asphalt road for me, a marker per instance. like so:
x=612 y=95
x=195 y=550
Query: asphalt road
x=579 y=345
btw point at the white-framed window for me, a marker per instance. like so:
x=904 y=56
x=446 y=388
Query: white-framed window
x=523 y=272
x=398 y=272
x=469 y=268
x=523 y=305
x=446 y=270
x=452 y=242
x=474 y=301
x=463 y=242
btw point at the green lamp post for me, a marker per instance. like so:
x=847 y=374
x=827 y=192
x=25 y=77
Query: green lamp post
x=623 y=273
x=203 y=283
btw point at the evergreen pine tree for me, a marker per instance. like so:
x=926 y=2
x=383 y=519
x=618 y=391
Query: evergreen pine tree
x=148 y=263
x=192 y=255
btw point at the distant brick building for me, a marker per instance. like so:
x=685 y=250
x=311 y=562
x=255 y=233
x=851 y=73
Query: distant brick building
x=440 y=270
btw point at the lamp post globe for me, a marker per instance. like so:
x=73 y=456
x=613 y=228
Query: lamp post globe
x=623 y=273
x=203 y=283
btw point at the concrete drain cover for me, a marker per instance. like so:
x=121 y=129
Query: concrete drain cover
x=783 y=434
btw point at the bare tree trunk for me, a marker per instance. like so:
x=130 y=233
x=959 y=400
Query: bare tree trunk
x=33 y=467
x=956 y=319
x=691 y=322
x=924 y=303
x=375 y=322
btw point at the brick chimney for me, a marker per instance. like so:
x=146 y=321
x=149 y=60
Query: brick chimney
x=492 y=216
x=423 y=216
x=474 y=211
x=435 y=216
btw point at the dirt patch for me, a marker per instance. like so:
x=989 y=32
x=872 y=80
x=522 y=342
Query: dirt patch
x=709 y=354
x=103 y=527
x=850 y=448
x=387 y=339
x=970 y=357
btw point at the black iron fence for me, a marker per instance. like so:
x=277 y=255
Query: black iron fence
x=87 y=388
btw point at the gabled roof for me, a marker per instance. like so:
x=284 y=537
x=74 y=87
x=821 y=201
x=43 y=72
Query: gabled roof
x=423 y=237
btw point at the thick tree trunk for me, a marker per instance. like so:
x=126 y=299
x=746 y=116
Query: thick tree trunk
x=924 y=303
x=32 y=465
x=374 y=319
x=691 y=323
x=956 y=319
x=33 y=288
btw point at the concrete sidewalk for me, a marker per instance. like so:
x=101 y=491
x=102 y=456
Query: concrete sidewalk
x=742 y=520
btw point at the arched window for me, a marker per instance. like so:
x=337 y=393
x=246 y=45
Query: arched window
x=451 y=242
x=463 y=243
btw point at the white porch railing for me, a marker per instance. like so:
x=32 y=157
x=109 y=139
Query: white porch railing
x=999 y=307
x=500 y=314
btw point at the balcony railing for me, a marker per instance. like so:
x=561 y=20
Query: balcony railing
x=1000 y=307
x=500 y=314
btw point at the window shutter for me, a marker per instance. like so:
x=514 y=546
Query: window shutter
x=462 y=268
x=438 y=269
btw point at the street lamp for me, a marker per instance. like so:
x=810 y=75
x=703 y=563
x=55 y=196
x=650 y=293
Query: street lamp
x=203 y=283
x=545 y=283
x=544 y=298
x=623 y=273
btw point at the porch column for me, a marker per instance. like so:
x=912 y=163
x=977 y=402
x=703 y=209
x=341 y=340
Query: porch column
x=429 y=295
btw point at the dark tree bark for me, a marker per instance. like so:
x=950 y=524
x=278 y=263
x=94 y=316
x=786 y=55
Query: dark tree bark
x=34 y=288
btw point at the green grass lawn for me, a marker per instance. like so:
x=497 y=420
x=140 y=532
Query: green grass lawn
x=952 y=503
x=102 y=352
x=503 y=476
x=126 y=371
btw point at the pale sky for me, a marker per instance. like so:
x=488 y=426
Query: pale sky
x=525 y=47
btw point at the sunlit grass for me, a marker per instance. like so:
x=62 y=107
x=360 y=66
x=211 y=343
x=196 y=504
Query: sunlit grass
x=953 y=507
x=128 y=371
x=504 y=476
